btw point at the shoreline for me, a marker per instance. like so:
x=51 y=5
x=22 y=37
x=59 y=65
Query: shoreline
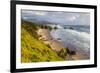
x=48 y=39
x=56 y=45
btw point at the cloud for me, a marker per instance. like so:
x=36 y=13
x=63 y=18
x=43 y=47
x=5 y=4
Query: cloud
x=72 y=18
x=25 y=18
x=40 y=13
x=69 y=18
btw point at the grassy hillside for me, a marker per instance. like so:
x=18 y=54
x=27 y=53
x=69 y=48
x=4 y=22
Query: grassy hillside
x=32 y=49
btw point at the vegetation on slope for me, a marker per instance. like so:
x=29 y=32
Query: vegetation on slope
x=32 y=49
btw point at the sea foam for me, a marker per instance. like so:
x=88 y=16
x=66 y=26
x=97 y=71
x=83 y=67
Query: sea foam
x=73 y=39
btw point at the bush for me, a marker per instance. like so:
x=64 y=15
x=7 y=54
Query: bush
x=48 y=46
x=63 y=53
x=55 y=27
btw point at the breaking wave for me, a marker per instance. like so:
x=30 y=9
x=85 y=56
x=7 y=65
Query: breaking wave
x=73 y=39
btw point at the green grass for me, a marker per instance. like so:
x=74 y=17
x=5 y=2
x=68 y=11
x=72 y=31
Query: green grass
x=34 y=50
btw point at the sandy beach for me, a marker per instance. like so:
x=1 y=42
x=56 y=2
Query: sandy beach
x=56 y=45
x=48 y=39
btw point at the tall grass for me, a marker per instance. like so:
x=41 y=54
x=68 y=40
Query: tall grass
x=34 y=50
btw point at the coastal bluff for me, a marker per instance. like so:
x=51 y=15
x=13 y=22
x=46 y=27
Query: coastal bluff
x=37 y=45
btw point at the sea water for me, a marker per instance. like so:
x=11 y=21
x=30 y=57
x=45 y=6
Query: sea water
x=74 y=37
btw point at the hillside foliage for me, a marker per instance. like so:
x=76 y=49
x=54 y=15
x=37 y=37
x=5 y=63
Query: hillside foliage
x=33 y=49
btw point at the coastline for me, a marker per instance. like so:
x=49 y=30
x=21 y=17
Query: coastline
x=57 y=45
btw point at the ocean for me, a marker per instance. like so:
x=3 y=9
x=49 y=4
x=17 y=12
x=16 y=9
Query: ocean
x=74 y=37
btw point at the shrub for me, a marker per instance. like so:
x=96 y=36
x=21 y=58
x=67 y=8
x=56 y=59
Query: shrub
x=63 y=53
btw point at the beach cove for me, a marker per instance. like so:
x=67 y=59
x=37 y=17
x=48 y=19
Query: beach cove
x=57 y=45
x=42 y=43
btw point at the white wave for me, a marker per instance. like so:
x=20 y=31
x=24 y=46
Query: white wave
x=75 y=40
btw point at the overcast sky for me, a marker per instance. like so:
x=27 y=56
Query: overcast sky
x=57 y=17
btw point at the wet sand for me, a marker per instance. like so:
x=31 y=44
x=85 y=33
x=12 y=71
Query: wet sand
x=56 y=45
x=48 y=39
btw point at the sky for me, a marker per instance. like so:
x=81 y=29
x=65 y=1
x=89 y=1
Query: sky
x=56 y=17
